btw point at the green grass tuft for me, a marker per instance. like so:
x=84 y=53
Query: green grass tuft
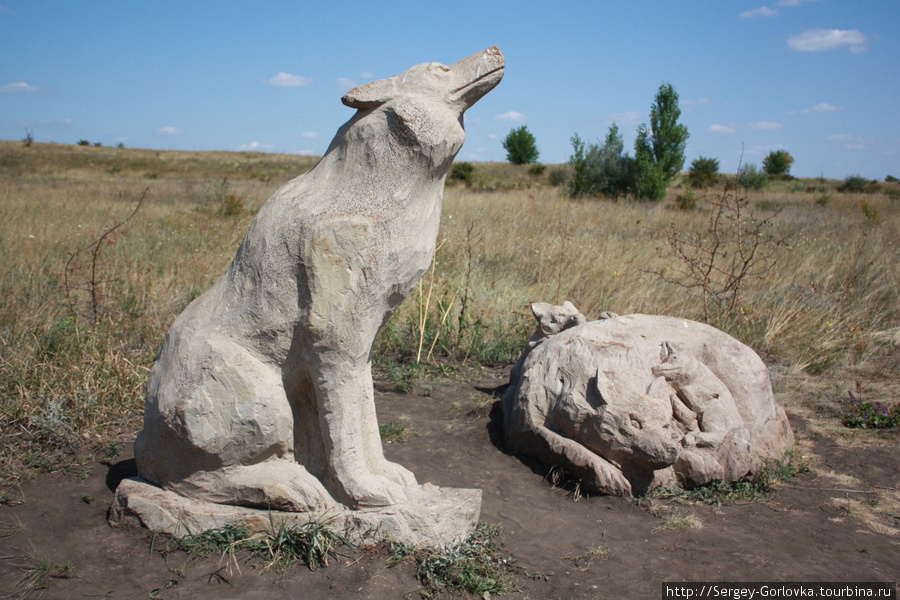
x=476 y=565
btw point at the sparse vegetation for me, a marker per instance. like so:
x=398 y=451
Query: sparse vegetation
x=727 y=492
x=280 y=548
x=476 y=565
x=395 y=431
x=858 y=414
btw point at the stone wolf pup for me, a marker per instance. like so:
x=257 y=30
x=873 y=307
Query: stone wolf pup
x=262 y=394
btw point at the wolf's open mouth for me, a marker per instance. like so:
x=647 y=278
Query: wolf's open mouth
x=474 y=81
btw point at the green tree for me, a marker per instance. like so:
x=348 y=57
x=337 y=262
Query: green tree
x=659 y=149
x=521 y=147
x=669 y=137
x=704 y=172
x=778 y=162
x=649 y=179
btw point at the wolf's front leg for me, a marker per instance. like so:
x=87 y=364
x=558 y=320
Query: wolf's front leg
x=356 y=465
x=378 y=464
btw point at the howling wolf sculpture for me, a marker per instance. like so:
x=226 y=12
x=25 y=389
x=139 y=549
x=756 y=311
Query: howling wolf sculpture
x=262 y=394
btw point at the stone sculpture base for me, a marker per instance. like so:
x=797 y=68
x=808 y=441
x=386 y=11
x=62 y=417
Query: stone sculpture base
x=433 y=516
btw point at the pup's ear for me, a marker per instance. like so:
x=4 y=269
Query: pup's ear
x=370 y=95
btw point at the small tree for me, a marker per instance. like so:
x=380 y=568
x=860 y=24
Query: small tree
x=704 y=172
x=521 y=147
x=778 y=162
x=659 y=149
x=669 y=136
x=649 y=179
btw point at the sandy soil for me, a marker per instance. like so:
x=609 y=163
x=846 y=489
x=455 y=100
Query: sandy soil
x=838 y=523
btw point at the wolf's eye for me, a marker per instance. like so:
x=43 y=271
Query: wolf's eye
x=636 y=423
x=443 y=68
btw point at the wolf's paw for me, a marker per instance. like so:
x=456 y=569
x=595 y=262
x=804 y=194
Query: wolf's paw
x=377 y=491
x=399 y=474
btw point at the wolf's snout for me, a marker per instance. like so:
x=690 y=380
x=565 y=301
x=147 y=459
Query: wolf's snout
x=478 y=74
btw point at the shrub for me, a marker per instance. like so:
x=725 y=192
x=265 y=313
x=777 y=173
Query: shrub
x=686 y=201
x=521 y=147
x=558 y=176
x=891 y=179
x=853 y=183
x=601 y=170
x=751 y=178
x=704 y=172
x=870 y=212
x=462 y=171
x=537 y=169
x=778 y=162
x=83 y=143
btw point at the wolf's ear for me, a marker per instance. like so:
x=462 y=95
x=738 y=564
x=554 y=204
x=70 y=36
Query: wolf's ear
x=370 y=95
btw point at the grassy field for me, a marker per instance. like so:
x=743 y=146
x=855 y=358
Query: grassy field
x=81 y=322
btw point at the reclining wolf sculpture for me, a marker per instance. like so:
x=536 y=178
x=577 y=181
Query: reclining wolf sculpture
x=262 y=394
x=626 y=403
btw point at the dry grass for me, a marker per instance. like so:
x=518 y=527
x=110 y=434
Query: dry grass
x=879 y=511
x=70 y=385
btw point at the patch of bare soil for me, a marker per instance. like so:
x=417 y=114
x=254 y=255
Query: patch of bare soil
x=837 y=523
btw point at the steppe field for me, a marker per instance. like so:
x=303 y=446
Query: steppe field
x=101 y=248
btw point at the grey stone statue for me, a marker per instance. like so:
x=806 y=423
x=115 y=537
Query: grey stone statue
x=262 y=394
x=627 y=403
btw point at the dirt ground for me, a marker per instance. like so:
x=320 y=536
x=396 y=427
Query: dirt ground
x=837 y=523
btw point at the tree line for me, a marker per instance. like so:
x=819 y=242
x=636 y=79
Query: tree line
x=608 y=170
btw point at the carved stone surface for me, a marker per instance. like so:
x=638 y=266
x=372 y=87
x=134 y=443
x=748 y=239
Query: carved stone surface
x=262 y=394
x=627 y=403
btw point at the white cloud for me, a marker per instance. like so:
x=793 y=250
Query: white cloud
x=310 y=134
x=697 y=102
x=367 y=75
x=286 y=80
x=7 y=10
x=762 y=11
x=511 y=117
x=632 y=117
x=855 y=146
x=344 y=84
x=820 y=107
x=169 y=131
x=845 y=137
x=493 y=136
x=721 y=129
x=820 y=40
x=256 y=146
x=793 y=2
x=762 y=150
x=19 y=87
x=764 y=125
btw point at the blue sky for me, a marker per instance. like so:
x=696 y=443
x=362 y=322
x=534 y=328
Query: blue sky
x=818 y=78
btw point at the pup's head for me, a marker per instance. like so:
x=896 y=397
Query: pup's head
x=425 y=104
x=553 y=319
